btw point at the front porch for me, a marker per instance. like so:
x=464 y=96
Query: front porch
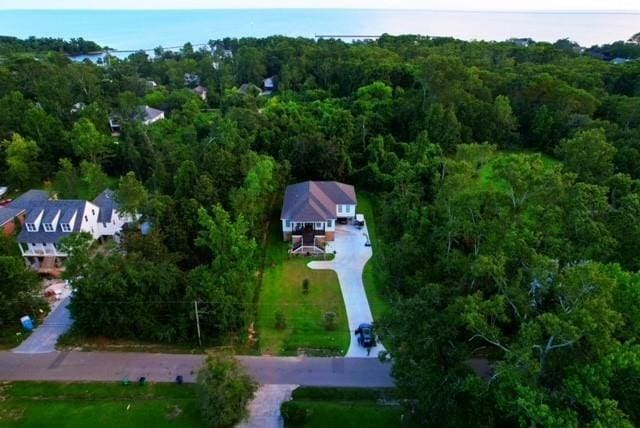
x=52 y=265
x=308 y=238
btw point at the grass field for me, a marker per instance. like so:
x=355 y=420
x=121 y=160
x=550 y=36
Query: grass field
x=281 y=289
x=373 y=271
x=348 y=407
x=70 y=405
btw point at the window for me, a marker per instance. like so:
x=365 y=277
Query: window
x=287 y=223
x=31 y=227
x=65 y=227
x=348 y=208
x=85 y=218
x=340 y=208
x=318 y=225
x=48 y=227
x=329 y=223
x=93 y=212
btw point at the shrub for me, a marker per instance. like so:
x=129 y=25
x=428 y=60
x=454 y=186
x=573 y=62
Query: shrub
x=305 y=286
x=330 y=320
x=281 y=320
x=294 y=414
x=225 y=390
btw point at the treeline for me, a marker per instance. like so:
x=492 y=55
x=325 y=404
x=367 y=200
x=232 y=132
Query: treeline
x=74 y=46
x=511 y=263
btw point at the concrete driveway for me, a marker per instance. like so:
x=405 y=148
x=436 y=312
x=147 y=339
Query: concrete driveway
x=44 y=338
x=351 y=257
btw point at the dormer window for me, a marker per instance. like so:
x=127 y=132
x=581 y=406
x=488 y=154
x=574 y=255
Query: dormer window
x=31 y=227
x=48 y=227
x=65 y=227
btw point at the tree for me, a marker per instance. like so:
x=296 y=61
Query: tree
x=131 y=194
x=22 y=161
x=89 y=144
x=66 y=180
x=589 y=155
x=20 y=293
x=225 y=391
x=94 y=178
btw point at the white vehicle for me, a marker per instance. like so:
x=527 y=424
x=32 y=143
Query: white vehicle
x=3 y=191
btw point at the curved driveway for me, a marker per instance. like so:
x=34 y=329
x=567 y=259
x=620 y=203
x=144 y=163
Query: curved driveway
x=351 y=257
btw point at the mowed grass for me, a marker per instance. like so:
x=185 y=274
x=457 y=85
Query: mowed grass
x=373 y=275
x=70 y=405
x=349 y=407
x=281 y=289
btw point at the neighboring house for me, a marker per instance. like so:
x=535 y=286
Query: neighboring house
x=149 y=115
x=521 y=42
x=249 y=89
x=191 y=79
x=48 y=221
x=269 y=84
x=114 y=125
x=311 y=210
x=14 y=213
x=151 y=84
x=78 y=107
x=201 y=92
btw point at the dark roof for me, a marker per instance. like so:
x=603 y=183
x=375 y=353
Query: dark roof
x=316 y=200
x=67 y=208
x=106 y=202
x=20 y=205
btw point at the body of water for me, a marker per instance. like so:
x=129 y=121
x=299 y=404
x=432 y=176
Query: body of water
x=142 y=29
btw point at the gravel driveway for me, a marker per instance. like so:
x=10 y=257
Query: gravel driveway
x=351 y=257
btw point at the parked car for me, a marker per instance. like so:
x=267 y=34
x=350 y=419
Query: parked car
x=366 y=336
x=359 y=221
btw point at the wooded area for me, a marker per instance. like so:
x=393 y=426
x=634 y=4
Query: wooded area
x=506 y=181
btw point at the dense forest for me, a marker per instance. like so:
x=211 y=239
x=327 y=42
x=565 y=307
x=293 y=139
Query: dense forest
x=507 y=181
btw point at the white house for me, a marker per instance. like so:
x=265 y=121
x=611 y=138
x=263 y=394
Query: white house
x=149 y=115
x=48 y=221
x=310 y=212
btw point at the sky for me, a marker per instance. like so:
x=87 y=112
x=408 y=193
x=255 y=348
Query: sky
x=475 y=5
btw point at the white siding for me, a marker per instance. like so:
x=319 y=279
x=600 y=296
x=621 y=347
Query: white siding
x=345 y=210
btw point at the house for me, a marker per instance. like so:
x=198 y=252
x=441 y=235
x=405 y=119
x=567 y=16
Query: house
x=77 y=107
x=201 y=92
x=522 y=42
x=191 y=79
x=310 y=212
x=148 y=115
x=114 y=125
x=151 y=84
x=269 y=84
x=48 y=221
x=13 y=213
x=249 y=89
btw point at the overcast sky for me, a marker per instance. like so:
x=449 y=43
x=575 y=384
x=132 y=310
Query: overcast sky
x=364 y=4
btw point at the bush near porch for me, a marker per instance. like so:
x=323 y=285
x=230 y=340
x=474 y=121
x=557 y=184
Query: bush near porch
x=304 y=313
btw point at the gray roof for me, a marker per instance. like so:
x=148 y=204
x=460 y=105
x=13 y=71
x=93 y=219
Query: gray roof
x=316 y=200
x=147 y=113
x=107 y=204
x=67 y=208
x=20 y=205
x=200 y=90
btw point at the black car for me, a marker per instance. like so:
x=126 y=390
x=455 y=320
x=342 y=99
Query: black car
x=366 y=337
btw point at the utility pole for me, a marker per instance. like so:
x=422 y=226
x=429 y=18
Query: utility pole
x=195 y=303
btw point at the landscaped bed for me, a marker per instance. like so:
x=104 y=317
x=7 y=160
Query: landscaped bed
x=303 y=328
x=50 y=404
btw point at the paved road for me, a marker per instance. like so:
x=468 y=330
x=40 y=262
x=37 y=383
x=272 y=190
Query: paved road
x=44 y=338
x=351 y=257
x=113 y=366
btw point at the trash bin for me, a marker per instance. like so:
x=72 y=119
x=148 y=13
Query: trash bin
x=27 y=323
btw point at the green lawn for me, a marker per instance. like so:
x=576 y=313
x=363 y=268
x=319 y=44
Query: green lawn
x=281 y=289
x=373 y=271
x=49 y=404
x=352 y=408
